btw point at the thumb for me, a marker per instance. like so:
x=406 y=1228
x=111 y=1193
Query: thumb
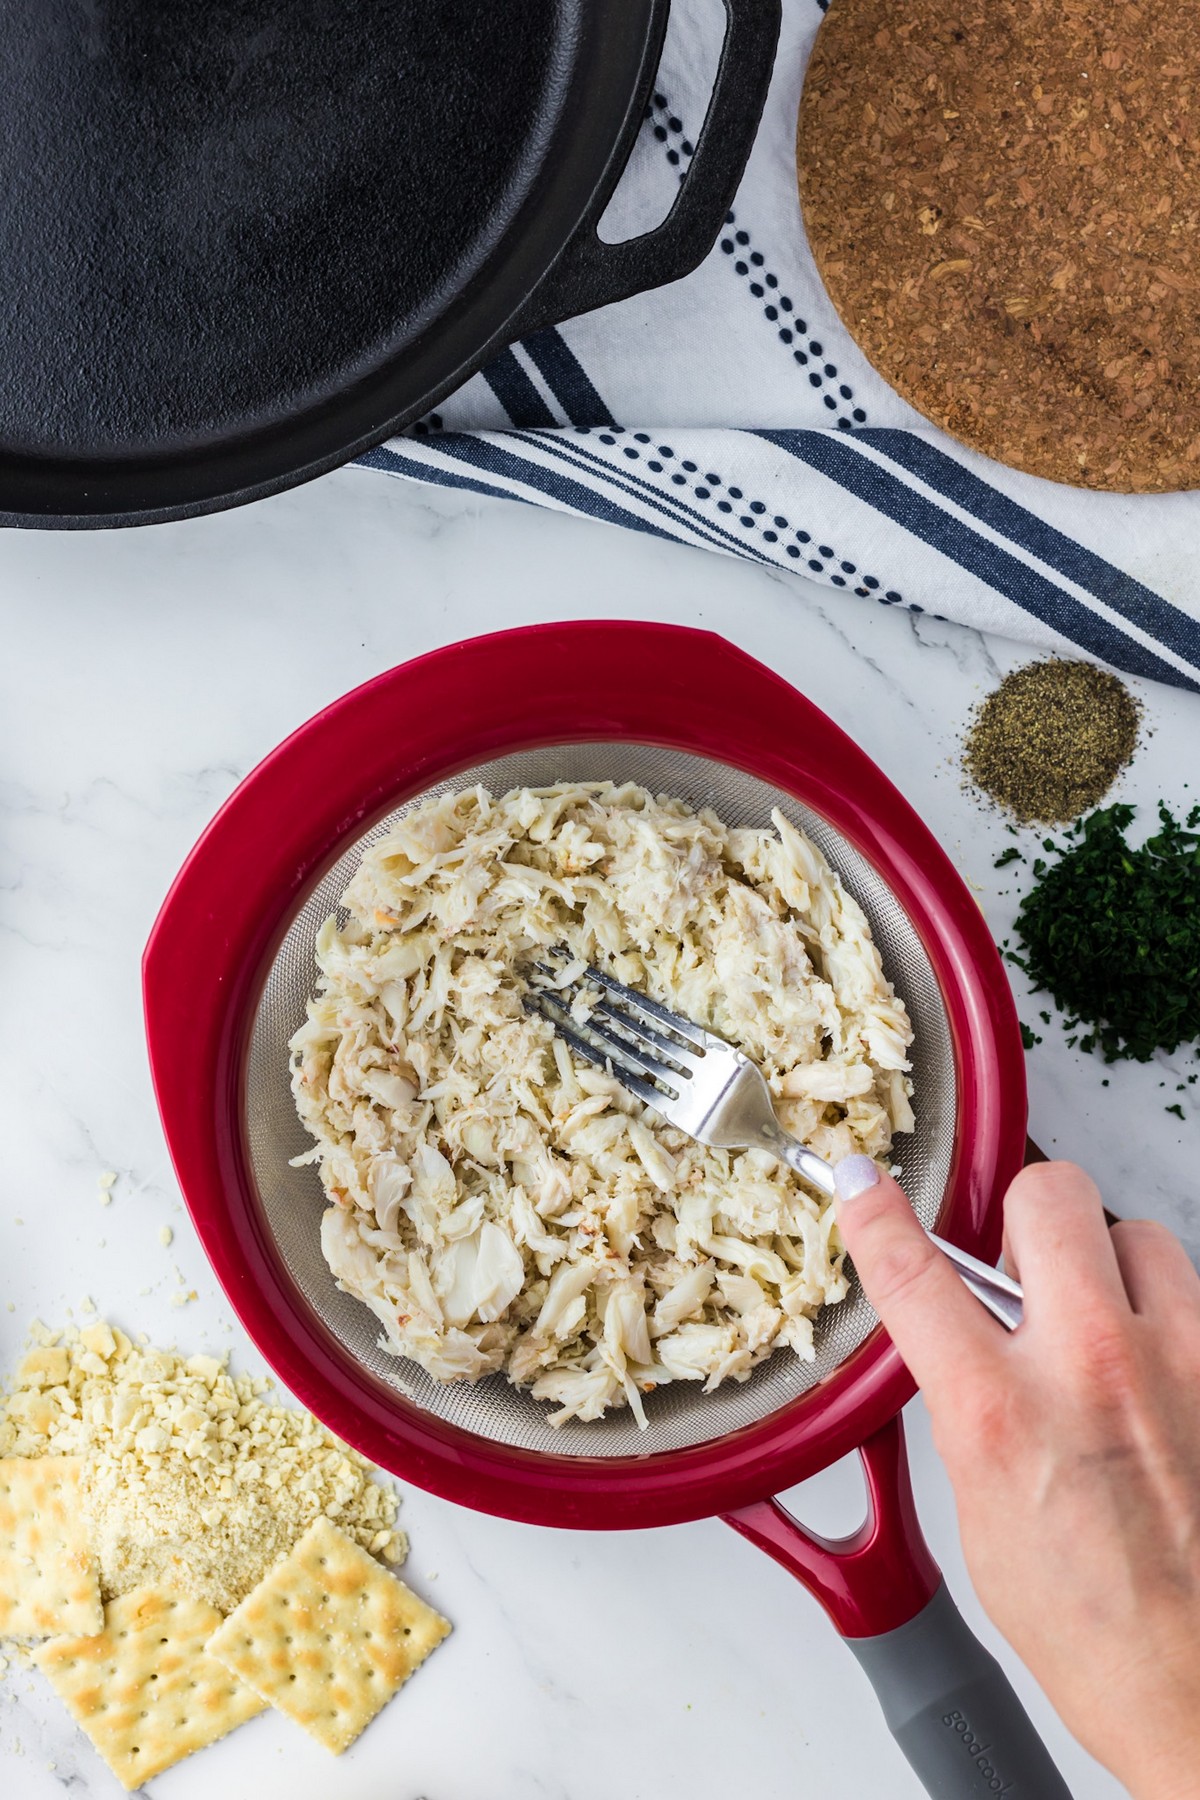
x=939 y=1328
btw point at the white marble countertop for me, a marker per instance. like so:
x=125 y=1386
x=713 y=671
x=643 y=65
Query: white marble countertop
x=145 y=672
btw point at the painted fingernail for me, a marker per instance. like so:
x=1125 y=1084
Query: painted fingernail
x=853 y=1176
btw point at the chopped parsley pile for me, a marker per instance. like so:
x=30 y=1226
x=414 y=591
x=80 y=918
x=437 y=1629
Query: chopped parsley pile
x=1113 y=933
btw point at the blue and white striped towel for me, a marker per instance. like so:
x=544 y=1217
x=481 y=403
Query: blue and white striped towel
x=752 y=425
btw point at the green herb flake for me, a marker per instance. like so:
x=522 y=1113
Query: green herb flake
x=1113 y=934
x=1011 y=855
x=1176 y=1109
x=1028 y=1038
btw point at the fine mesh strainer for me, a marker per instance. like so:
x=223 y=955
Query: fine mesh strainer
x=293 y=1199
x=230 y=965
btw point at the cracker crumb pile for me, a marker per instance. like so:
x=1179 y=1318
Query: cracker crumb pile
x=144 y=1495
x=192 y=1479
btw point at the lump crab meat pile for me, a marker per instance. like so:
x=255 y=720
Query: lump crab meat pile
x=501 y=1205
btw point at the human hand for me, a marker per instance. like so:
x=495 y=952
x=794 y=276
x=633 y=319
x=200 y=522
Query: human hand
x=1073 y=1445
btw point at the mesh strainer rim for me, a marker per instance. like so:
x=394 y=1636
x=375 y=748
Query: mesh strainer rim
x=206 y=958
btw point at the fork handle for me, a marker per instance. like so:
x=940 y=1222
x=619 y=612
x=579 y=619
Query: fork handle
x=799 y=1157
x=995 y=1290
x=992 y=1287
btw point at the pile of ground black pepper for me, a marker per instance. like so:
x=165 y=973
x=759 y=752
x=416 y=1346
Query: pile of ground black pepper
x=1051 y=740
x=1113 y=934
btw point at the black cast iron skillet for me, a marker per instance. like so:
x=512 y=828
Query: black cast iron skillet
x=244 y=240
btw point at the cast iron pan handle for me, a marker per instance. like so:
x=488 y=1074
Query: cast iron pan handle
x=591 y=273
x=946 y=1699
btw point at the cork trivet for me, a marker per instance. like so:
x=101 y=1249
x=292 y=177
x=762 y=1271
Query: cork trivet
x=1004 y=202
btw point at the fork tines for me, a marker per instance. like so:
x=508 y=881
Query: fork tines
x=651 y=1060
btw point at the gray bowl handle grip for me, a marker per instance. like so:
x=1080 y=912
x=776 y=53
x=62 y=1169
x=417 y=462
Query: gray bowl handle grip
x=952 y=1711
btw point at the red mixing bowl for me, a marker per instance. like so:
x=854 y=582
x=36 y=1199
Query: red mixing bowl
x=204 y=970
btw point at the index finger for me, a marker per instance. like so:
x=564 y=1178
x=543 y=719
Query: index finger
x=938 y=1326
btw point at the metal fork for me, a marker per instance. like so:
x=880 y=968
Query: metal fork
x=708 y=1088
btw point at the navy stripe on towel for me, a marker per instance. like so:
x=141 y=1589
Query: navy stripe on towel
x=516 y=392
x=393 y=463
x=484 y=454
x=1119 y=591
x=664 y=501
x=566 y=377
x=832 y=455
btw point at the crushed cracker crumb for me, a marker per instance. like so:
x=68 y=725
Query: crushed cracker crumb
x=193 y=1479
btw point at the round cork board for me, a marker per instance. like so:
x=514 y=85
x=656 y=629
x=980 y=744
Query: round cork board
x=1003 y=200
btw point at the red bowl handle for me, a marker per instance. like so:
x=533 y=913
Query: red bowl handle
x=879 y=1577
